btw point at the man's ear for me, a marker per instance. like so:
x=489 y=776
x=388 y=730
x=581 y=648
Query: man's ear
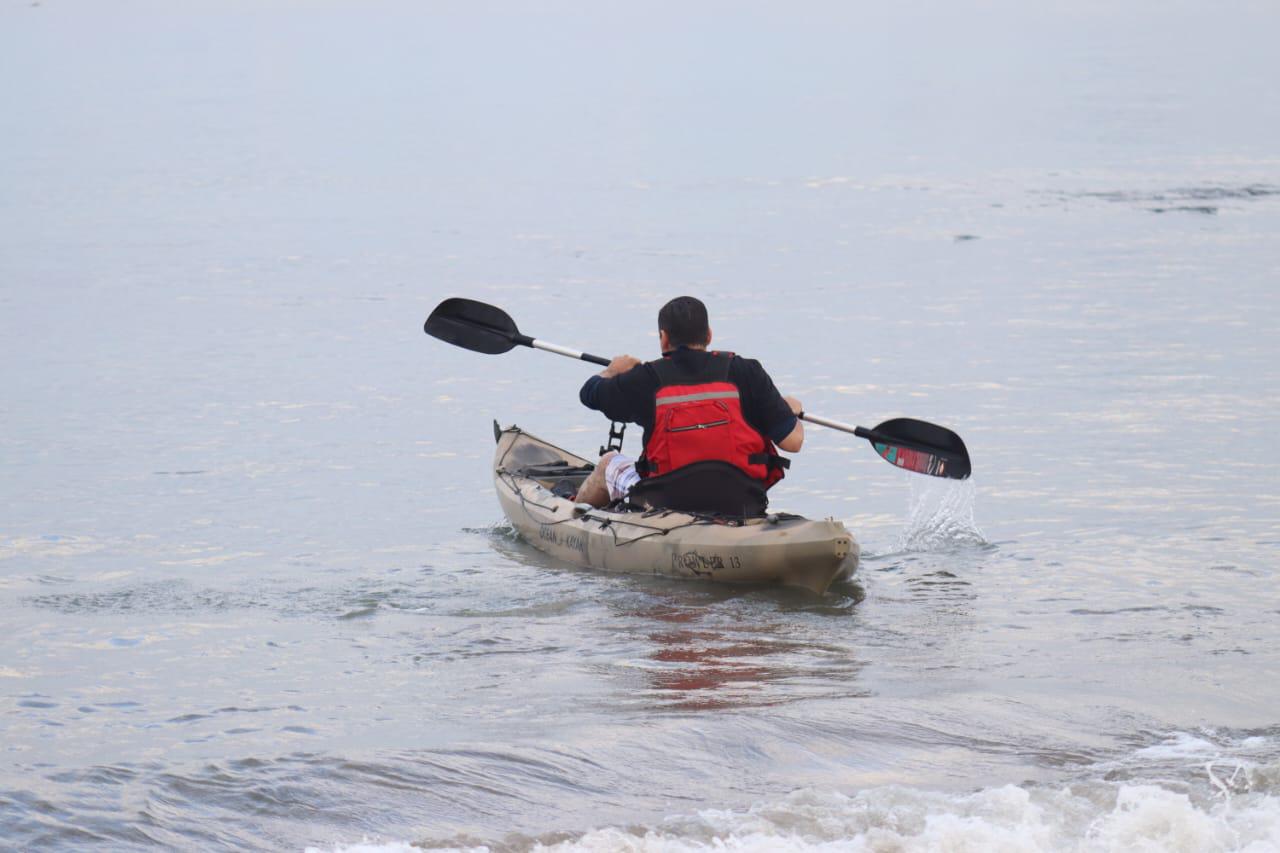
x=708 y=337
x=664 y=340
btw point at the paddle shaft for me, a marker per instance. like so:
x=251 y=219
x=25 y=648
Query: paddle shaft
x=860 y=432
x=525 y=340
x=869 y=434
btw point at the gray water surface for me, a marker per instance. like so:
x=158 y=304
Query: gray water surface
x=257 y=589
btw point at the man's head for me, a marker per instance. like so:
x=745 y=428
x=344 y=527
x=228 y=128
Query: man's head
x=682 y=322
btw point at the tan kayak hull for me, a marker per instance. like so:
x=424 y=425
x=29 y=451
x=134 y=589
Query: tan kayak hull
x=789 y=550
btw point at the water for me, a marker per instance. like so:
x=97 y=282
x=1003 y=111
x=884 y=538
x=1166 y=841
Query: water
x=258 y=591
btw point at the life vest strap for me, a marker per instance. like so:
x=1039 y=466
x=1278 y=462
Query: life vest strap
x=771 y=460
x=693 y=398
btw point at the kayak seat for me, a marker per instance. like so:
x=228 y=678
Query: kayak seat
x=713 y=487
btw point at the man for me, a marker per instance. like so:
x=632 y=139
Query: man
x=694 y=405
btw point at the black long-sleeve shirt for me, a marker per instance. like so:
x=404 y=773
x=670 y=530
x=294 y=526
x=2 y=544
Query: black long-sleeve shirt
x=630 y=396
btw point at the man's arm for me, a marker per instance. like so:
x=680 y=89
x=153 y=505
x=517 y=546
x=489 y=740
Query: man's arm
x=769 y=411
x=617 y=390
x=795 y=438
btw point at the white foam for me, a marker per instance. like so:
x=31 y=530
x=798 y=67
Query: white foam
x=1094 y=816
x=1179 y=745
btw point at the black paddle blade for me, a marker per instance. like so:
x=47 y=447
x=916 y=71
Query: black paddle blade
x=922 y=447
x=472 y=325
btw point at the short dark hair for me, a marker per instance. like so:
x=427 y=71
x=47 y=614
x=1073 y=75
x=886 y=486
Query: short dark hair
x=684 y=319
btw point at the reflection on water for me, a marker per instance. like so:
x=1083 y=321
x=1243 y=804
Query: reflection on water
x=707 y=672
x=754 y=665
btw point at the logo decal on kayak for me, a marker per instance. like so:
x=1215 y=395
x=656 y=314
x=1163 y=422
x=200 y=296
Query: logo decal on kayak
x=572 y=541
x=698 y=564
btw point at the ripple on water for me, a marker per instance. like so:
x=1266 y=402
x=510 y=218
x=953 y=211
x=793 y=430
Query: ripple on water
x=237 y=803
x=169 y=596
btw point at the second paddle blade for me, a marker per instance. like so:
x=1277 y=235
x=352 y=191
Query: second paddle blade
x=473 y=325
x=922 y=447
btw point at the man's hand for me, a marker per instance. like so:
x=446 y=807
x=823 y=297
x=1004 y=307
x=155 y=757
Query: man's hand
x=796 y=407
x=620 y=364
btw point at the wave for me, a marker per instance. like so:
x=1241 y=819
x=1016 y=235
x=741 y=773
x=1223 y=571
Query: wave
x=1186 y=792
x=1082 y=818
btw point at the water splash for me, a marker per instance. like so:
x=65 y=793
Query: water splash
x=500 y=530
x=940 y=516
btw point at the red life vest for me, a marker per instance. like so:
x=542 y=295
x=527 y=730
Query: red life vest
x=699 y=418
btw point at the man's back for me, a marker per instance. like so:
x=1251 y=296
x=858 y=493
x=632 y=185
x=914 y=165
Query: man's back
x=631 y=396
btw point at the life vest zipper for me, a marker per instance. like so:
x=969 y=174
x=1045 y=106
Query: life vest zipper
x=697 y=426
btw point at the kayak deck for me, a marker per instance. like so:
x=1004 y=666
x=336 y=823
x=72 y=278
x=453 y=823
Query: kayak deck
x=534 y=480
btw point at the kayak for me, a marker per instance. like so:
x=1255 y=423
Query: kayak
x=536 y=480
